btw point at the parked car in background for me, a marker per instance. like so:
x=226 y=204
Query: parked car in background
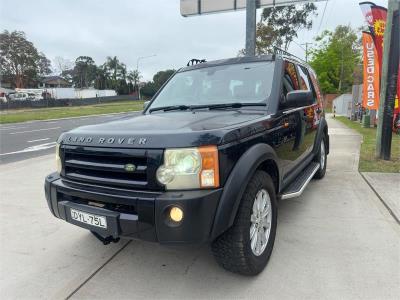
x=23 y=96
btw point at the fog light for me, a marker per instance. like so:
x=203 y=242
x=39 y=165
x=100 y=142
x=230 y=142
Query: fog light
x=176 y=214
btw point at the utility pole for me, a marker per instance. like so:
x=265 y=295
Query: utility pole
x=341 y=71
x=390 y=67
x=306 y=44
x=137 y=69
x=251 y=8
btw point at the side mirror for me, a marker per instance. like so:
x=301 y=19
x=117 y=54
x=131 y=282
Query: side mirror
x=145 y=104
x=299 y=98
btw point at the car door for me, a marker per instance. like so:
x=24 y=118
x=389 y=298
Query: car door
x=292 y=137
x=288 y=136
x=310 y=113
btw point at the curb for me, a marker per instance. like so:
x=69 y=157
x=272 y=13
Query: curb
x=381 y=199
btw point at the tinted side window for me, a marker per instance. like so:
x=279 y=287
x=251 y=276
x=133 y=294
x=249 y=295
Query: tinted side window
x=304 y=80
x=316 y=86
x=290 y=79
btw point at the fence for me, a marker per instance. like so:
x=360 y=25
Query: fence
x=63 y=102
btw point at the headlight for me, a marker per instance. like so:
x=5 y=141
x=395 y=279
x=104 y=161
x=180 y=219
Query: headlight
x=189 y=168
x=58 y=158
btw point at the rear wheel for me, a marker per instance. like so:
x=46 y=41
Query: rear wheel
x=247 y=246
x=321 y=158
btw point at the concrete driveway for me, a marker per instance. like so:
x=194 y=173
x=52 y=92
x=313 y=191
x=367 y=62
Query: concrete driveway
x=337 y=241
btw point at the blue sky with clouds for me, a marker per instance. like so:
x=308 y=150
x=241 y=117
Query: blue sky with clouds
x=133 y=28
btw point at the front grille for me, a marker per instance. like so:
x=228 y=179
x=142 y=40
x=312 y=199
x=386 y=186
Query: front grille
x=121 y=208
x=107 y=166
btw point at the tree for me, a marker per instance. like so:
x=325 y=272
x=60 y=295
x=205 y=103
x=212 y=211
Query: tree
x=101 y=78
x=115 y=71
x=20 y=60
x=337 y=59
x=279 y=26
x=84 y=72
x=150 y=88
x=43 y=65
x=62 y=65
x=161 y=77
x=134 y=77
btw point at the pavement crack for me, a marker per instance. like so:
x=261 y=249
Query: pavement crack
x=193 y=261
x=97 y=271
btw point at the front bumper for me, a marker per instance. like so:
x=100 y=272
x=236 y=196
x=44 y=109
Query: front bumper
x=135 y=214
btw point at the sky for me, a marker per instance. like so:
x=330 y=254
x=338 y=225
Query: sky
x=130 y=29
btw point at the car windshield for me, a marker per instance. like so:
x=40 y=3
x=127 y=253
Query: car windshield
x=236 y=83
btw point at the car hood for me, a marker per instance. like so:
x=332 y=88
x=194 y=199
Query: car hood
x=167 y=129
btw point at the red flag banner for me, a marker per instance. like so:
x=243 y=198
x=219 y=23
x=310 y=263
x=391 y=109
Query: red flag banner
x=379 y=16
x=366 y=10
x=371 y=73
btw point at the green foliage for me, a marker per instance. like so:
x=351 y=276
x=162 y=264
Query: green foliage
x=23 y=65
x=20 y=61
x=134 y=78
x=84 y=72
x=150 y=88
x=337 y=59
x=279 y=26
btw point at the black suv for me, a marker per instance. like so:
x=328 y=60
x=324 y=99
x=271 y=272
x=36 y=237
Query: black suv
x=206 y=161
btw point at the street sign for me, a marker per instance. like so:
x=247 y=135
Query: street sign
x=198 y=7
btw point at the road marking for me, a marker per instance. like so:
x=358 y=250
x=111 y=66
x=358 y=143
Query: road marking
x=34 y=130
x=32 y=149
x=81 y=117
x=38 y=140
x=12 y=127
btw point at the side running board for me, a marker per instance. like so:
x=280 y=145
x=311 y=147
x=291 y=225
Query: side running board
x=297 y=187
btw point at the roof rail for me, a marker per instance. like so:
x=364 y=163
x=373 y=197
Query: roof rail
x=195 y=61
x=279 y=51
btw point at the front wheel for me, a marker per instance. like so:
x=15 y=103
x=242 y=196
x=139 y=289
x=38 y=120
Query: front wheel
x=247 y=246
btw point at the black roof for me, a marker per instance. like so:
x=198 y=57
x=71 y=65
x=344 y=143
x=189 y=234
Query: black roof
x=281 y=54
x=230 y=61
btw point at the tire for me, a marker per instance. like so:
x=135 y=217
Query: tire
x=322 y=159
x=233 y=249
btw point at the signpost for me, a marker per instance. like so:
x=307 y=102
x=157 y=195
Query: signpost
x=390 y=69
x=199 y=7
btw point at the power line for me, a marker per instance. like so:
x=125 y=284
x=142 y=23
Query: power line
x=300 y=45
x=323 y=15
x=306 y=44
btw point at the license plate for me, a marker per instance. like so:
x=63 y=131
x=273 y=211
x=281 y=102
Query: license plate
x=90 y=219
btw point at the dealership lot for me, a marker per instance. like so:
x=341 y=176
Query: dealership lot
x=336 y=241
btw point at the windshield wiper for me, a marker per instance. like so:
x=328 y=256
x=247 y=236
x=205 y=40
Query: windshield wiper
x=226 y=105
x=209 y=106
x=171 y=107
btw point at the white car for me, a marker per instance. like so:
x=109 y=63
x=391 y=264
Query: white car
x=19 y=96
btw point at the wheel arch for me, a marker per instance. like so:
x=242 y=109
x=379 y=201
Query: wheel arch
x=258 y=157
x=322 y=131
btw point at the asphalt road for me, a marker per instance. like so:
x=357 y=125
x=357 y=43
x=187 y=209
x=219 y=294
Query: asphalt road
x=21 y=141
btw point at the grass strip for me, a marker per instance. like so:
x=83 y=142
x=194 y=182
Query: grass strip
x=18 y=115
x=368 y=162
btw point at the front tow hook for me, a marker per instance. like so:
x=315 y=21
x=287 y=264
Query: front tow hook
x=105 y=240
